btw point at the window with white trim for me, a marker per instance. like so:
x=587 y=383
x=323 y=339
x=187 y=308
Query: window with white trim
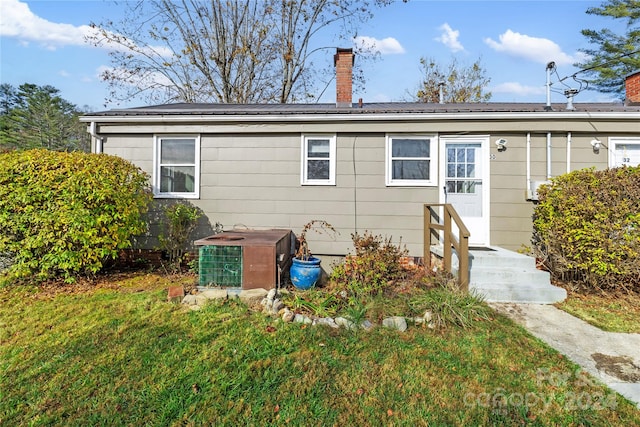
x=318 y=160
x=411 y=160
x=624 y=152
x=176 y=169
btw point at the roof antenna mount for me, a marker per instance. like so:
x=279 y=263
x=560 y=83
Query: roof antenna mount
x=550 y=67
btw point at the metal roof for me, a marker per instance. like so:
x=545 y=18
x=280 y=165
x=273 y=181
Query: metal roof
x=391 y=108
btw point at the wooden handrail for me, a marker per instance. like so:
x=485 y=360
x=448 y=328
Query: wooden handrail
x=461 y=244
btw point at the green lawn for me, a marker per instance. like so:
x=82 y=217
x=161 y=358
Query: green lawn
x=122 y=355
x=609 y=312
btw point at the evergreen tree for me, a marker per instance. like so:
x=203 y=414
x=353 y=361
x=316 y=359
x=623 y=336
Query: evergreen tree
x=613 y=56
x=38 y=117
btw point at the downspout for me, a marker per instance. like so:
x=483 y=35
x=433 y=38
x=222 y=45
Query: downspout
x=568 y=152
x=97 y=138
x=529 y=189
x=548 y=155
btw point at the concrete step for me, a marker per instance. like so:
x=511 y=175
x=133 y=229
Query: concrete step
x=508 y=274
x=500 y=275
x=493 y=256
x=523 y=293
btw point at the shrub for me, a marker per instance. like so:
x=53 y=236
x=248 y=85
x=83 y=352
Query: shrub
x=64 y=214
x=180 y=219
x=587 y=228
x=375 y=266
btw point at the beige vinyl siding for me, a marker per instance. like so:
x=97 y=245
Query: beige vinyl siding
x=511 y=224
x=253 y=181
x=250 y=173
x=137 y=149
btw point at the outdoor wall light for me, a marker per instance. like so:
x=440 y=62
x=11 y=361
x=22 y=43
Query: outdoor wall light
x=596 y=144
x=501 y=144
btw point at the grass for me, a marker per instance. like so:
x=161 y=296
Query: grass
x=120 y=354
x=613 y=313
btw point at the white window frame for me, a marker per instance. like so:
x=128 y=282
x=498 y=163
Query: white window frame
x=433 y=161
x=614 y=141
x=304 y=179
x=157 y=177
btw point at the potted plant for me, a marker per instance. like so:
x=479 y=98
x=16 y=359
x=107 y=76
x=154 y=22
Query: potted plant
x=305 y=271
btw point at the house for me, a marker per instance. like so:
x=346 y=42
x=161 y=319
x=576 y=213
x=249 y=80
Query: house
x=369 y=166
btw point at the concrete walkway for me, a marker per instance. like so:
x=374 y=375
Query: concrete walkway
x=613 y=358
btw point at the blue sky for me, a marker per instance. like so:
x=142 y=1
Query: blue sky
x=42 y=42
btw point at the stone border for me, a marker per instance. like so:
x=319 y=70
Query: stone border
x=273 y=306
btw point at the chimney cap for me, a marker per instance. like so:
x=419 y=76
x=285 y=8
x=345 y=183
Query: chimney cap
x=342 y=51
x=631 y=74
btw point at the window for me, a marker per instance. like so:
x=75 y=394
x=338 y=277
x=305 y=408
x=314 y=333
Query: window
x=461 y=168
x=318 y=160
x=624 y=151
x=177 y=167
x=410 y=160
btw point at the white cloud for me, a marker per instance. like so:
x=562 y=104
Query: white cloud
x=449 y=38
x=64 y=73
x=534 y=49
x=19 y=22
x=517 y=89
x=386 y=46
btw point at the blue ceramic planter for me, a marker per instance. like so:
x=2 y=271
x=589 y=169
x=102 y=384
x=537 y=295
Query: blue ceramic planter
x=305 y=274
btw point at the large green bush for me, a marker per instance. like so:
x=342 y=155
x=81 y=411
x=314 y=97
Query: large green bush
x=64 y=214
x=587 y=228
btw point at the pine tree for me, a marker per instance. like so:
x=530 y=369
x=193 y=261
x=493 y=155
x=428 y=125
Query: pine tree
x=613 y=56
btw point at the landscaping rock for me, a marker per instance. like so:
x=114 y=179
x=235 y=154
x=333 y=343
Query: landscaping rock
x=428 y=316
x=298 y=318
x=344 y=322
x=367 y=325
x=395 y=322
x=252 y=296
x=214 y=294
x=277 y=305
x=327 y=321
x=288 y=315
x=271 y=295
x=189 y=300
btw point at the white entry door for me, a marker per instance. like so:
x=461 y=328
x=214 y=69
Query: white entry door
x=466 y=183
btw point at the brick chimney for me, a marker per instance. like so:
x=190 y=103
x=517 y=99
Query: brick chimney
x=632 y=86
x=343 y=60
